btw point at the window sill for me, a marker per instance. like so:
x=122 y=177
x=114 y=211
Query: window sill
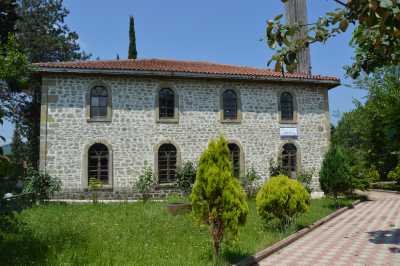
x=95 y=120
x=166 y=185
x=105 y=188
x=288 y=122
x=228 y=121
x=168 y=120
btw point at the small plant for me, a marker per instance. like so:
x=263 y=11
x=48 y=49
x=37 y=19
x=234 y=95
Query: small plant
x=283 y=199
x=217 y=197
x=146 y=182
x=249 y=182
x=335 y=177
x=394 y=175
x=275 y=168
x=42 y=186
x=305 y=178
x=94 y=186
x=185 y=177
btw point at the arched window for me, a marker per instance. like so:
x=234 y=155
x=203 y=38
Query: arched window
x=289 y=159
x=98 y=162
x=167 y=160
x=166 y=102
x=287 y=107
x=234 y=151
x=230 y=105
x=98 y=102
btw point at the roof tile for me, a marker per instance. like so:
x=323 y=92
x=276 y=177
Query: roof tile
x=178 y=66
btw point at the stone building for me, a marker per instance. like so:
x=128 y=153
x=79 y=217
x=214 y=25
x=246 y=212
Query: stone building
x=108 y=119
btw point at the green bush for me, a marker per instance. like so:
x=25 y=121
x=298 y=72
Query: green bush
x=250 y=182
x=335 y=176
x=217 y=197
x=361 y=177
x=41 y=185
x=282 y=198
x=7 y=183
x=372 y=175
x=8 y=220
x=394 y=175
x=185 y=177
x=145 y=182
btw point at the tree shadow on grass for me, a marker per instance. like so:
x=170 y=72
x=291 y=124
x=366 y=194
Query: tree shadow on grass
x=234 y=255
x=21 y=248
x=391 y=237
x=24 y=248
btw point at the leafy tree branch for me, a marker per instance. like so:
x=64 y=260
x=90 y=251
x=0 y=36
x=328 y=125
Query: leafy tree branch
x=376 y=35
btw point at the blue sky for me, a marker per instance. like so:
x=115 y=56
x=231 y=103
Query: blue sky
x=222 y=31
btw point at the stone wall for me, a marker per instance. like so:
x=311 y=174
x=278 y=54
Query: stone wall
x=134 y=133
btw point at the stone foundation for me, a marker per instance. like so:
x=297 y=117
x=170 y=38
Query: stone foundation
x=157 y=194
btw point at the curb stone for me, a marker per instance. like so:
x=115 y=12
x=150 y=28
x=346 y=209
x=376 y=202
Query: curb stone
x=252 y=260
x=86 y=201
x=384 y=190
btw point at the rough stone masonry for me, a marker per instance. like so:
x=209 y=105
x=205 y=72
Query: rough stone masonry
x=134 y=133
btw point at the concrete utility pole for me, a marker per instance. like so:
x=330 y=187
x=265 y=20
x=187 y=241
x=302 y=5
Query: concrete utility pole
x=296 y=12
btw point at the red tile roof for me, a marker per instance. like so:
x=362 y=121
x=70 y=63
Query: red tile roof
x=168 y=66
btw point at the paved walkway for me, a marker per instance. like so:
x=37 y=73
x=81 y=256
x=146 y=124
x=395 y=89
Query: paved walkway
x=369 y=234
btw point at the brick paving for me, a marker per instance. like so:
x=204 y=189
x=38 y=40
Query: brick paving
x=369 y=234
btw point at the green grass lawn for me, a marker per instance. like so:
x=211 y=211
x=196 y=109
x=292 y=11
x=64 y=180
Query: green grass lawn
x=132 y=234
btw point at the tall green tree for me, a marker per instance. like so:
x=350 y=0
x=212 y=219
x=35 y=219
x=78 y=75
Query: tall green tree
x=14 y=73
x=43 y=36
x=43 y=33
x=371 y=132
x=132 y=52
x=217 y=197
x=376 y=34
x=8 y=18
x=13 y=63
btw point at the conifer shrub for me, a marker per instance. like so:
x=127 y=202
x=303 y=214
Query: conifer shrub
x=217 y=197
x=283 y=199
x=335 y=175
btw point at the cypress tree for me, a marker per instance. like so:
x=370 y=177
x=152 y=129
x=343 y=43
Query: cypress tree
x=335 y=176
x=132 y=53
